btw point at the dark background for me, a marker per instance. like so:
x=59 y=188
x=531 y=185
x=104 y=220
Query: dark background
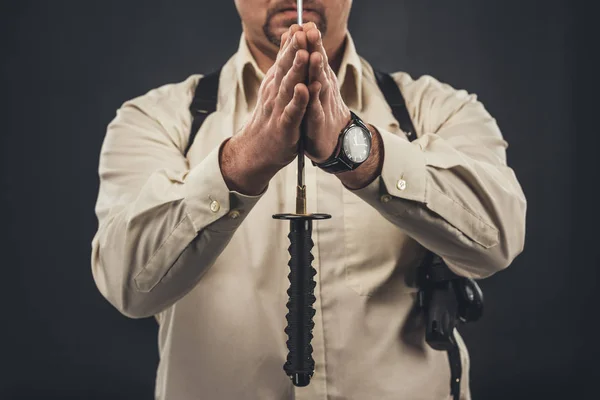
x=68 y=65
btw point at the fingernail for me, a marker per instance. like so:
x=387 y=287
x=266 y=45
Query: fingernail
x=295 y=41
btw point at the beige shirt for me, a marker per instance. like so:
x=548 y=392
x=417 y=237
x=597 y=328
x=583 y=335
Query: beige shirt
x=211 y=264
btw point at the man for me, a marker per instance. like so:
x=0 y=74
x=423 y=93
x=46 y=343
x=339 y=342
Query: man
x=189 y=238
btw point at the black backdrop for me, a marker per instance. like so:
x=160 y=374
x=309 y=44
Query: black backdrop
x=68 y=65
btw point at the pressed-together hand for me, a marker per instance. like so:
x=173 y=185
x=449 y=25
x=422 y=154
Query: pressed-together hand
x=269 y=140
x=282 y=100
x=326 y=114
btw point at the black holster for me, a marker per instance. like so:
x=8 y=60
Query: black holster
x=446 y=299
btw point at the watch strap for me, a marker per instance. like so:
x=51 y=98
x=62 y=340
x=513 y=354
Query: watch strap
x=334 y=166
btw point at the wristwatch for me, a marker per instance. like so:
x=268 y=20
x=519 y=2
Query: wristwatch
x=352 y=149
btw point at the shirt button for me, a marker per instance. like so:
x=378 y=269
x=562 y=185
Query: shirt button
x=215 y=206
x=235 y=214
x=401 y=185
x=385 y=198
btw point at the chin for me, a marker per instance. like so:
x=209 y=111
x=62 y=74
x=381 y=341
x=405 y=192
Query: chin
x=280 y=26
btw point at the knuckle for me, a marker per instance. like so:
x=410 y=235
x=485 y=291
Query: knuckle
x=268 y=106
x=330 y=74
x=284 y=88
x=280 y=71
x=269 y=79
x=317 y=112
x=269 y=73
x=290 y=80
x=331 y=80
x=267 y=88
x=294 y=43
x=287 y=117
x=287 y=92
x=276 y=78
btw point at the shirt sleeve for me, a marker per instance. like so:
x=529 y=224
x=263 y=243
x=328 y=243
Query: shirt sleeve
x=161 y=225
x=451 y=189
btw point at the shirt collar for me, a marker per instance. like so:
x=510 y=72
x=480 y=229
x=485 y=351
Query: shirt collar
x=349 y=75
x=247 y=71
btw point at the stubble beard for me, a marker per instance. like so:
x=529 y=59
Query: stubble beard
x=276 y=39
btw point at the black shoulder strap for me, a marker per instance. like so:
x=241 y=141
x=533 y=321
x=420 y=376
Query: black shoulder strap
x=203 y=103
x=394 y=98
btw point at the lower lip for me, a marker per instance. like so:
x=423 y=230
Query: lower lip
x=294 y=13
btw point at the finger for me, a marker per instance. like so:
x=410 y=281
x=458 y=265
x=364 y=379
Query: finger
x=301 y=41
x=294 y=111
x=290 y=33
x=315 y=111
x=309 y=26
x=314 y=105
x=296 y=74
x=283 y=41
x=315 y=43
x=315 y=68
x=266 y=85
x=318 y=74
x=297 y=42
x=286 y=38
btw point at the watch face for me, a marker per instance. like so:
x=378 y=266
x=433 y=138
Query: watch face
x=357 y=145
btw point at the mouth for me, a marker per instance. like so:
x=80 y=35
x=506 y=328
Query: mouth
x=295 y=10
x=292 y=13
x=281 y=17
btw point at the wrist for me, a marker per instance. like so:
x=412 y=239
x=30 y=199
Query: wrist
x=242 y=171
x=368 y=171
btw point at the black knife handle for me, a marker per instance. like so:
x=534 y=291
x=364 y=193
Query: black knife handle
x=300 y=365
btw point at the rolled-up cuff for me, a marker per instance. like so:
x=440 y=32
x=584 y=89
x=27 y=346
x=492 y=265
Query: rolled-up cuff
x=403 y=176
x=208 y=199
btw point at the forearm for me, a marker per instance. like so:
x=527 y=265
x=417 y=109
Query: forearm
x=472 y=214
x=132 y=253
x=451 y=189
x=151 y=251
x=141 y=270
x=419 y=218
x=160 y=224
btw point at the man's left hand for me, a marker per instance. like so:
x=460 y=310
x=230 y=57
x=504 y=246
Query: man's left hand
x=326 y=114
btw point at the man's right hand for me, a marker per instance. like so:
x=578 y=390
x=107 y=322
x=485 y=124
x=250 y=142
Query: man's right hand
x=269 y=140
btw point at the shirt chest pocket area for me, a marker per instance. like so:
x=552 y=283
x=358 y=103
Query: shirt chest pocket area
x=379 y=256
